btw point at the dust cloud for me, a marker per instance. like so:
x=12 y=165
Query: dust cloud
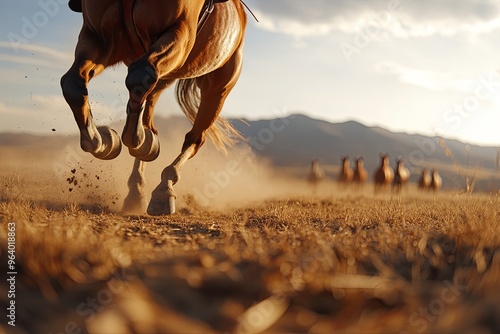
x=54 y=171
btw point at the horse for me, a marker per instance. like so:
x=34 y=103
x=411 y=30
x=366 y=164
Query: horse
x=316 y=174
x=436 y=180
x=198 y=43
x=425 y=180
x=360 y=174
x=346 y=173
x=384 y=175
x=401 y=176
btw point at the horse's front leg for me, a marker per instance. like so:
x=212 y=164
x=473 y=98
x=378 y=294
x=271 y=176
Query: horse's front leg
x=102 y=142
x=147 y=77
x=139 y=133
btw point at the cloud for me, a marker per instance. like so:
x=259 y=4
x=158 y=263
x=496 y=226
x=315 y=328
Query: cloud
x=39 y=49
x=430 y=80
x=34 y=54
x=32 y=61
x=401 y=18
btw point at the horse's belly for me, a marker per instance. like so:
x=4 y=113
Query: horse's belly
x=216 y=42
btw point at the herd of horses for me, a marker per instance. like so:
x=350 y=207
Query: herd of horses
x=384 y=177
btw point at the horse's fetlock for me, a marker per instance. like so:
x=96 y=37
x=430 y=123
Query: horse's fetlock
x=170 y=173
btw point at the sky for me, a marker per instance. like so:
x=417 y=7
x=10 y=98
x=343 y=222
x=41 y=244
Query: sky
x=430 y=67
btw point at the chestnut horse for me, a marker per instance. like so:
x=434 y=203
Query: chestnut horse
x=345 y=173
x=437 y=181
x=425 y=180
x=360 y=174
x=199 y=42
x=316 y=174
x=401 y=176
x=384 y=175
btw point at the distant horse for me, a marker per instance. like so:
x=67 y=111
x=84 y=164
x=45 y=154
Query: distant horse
x=199 y=42
x=316 y=173
x=401 y=176
x=346 y=173
x=360 y=174
x=384 y=175
x=425 y=180
x=436 y=180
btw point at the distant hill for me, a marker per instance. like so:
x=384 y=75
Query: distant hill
x=294 y=140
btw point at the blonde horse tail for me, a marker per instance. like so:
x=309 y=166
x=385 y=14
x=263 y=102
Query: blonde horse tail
x=222 y=134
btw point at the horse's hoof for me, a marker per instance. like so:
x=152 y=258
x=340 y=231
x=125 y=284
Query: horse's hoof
x=134 y=205
x=160 y=208
x=111 y=144
x=150 y=148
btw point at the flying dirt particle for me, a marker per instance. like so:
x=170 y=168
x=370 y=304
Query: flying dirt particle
x=53 y=130
x=73 y=171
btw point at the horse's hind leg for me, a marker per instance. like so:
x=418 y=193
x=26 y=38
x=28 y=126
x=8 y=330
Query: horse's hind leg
x=102 y=142
x=214 y=89
x=135 y=202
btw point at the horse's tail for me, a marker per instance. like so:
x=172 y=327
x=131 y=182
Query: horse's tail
x=222 y=134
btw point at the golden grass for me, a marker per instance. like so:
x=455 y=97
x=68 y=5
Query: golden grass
x=349 y=264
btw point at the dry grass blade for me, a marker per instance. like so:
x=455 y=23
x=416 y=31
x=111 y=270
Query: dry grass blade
x=261 y=316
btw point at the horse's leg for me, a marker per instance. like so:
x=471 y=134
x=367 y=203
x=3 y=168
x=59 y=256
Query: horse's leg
x=135 y=202
x=102 y=142
x=214 y=89
x=163 y=197
x=139 y=133
x=144 y=79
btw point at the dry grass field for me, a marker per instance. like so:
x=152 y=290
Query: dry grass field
x=333 y=262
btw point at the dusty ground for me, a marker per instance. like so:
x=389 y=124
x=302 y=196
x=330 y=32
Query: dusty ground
x=261 y=253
